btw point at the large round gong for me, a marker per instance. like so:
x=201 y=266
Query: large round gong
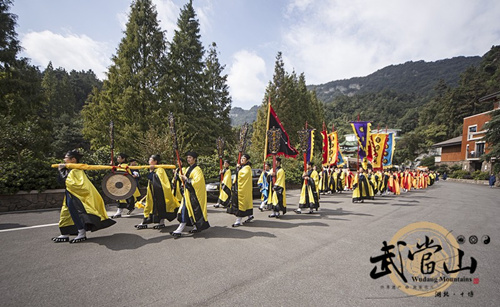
x=119 y=185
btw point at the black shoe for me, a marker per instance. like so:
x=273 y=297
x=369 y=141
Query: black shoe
x=237 y=224
x=116 y=216
x=159 y=226
x=272 y=215
x=141 y=226
x=78 y=240
x=130 y=211
x=248 y=220
x=261 y=210
x=176 y=235
x=59 y=240
x=194 y=231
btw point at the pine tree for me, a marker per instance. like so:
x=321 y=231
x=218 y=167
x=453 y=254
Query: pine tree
x=23 y=120
x=218 y=98
x=293 y=104
x=130 y=97
x=184 y=86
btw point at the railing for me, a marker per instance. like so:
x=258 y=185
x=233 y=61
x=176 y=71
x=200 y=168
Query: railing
x=474 y=155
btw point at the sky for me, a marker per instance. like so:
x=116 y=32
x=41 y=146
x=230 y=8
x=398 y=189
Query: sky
x=326 y=40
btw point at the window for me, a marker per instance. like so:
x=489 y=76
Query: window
x=479 y=149
x=472 y=130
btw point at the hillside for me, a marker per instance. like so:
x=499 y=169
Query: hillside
x=239 y=116
x=409 y=78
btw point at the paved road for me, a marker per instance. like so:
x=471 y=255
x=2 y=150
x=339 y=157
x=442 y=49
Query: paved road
x=321 y=259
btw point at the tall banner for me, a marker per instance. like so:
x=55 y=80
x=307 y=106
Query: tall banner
x=285 y=147
x=340 y=159
x=334 y=146
x=362 y=132
x=326 y=148
x=310 y=147
x=389 y=151
x=378 y=142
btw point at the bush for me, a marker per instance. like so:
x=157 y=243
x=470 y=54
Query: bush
x=455 y=167
x=478 y=175
x=32 y=174
x=461 y=174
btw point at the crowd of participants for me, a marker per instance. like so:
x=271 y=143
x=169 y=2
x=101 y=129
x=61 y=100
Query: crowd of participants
x=185 y=198
x=367 y=182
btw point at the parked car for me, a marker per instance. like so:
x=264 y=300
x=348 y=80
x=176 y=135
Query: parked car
x=213 y=185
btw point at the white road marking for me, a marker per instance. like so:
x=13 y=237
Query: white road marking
x=28 y=227
x=48 y=225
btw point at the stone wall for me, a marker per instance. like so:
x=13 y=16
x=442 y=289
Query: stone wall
x=39 y=200
x=32 y=200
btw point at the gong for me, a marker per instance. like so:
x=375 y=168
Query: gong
x=119 y=185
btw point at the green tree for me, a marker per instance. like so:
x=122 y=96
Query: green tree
x=130 y=96
x=184 y=87
x=293 y=103
x=218 y=100
x=23 y=119
x=492 y=136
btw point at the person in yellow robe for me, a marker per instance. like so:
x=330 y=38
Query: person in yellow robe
x=309 y=198
x=323 y=180
x=128 y=203
x=242 y=198
x=193 y=209
x=278 y=195
x=160 y=202
x=361 y=188
x=225 y=187
x=83 y=207
x=177 y=185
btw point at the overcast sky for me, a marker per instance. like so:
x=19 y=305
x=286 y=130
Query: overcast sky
x=325 y=39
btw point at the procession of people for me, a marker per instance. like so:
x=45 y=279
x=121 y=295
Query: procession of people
x=185 y=198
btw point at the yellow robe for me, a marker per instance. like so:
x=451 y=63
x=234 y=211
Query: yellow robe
x=193 y=209
x=225 y=189
x=85 y=197
x=160 y=194
x=310 y=200
x=243 y=205
x=176 y=187
x=275 y=196
x=361 y=189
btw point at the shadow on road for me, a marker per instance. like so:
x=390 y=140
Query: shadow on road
x=11 y=225
x=125 y=241
x=228 y=232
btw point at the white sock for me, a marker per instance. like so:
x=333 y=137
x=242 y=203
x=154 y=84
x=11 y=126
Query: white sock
x=299 y=210
x=81 y=234
x=162 y=222
x=262 y=204
x=238 y=220
x=180 y=228
x=119 y=211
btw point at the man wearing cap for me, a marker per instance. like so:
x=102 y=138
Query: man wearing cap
x=83 y=207
x=242 y=198
x=160 y=202
x=193 y=209
x=278 y=195
x=225 y=187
